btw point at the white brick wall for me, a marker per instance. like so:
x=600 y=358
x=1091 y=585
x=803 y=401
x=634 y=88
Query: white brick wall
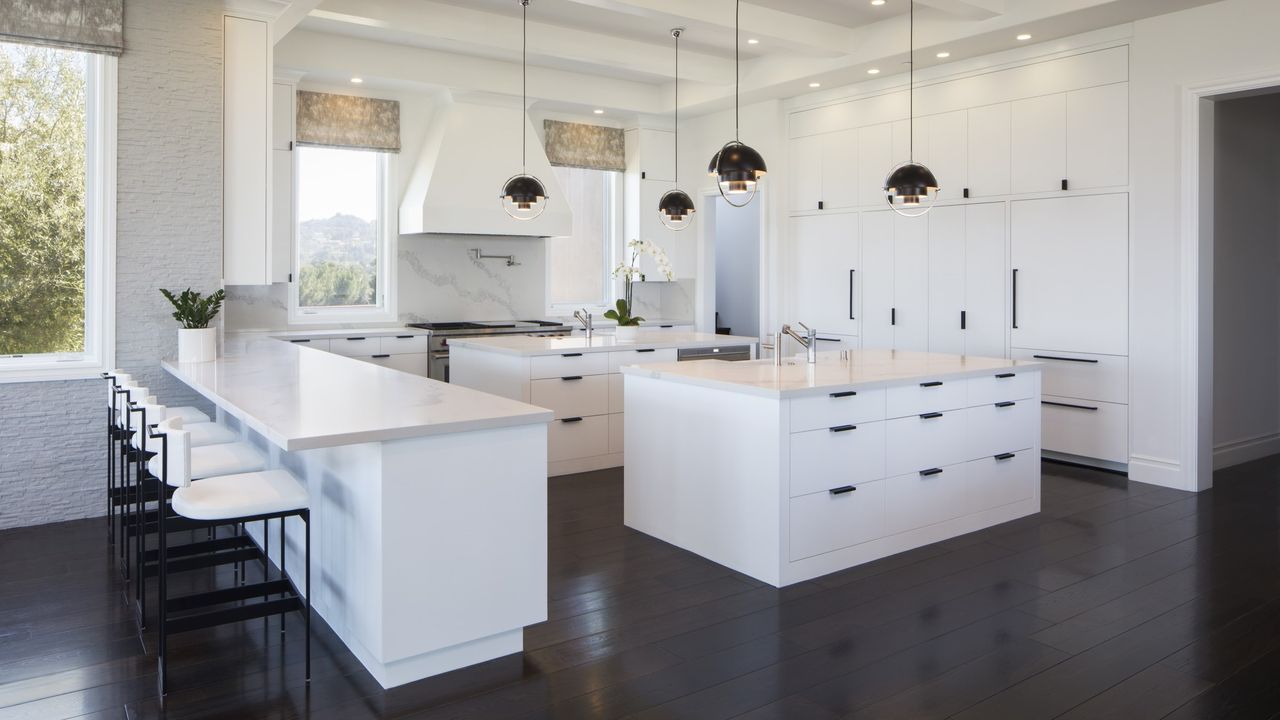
x=168 y=234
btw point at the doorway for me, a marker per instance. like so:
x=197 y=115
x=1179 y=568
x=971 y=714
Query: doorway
x=736 y=241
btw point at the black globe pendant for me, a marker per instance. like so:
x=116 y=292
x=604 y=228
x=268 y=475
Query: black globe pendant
x=676 y=208
x=524 y=197
x=911 y=189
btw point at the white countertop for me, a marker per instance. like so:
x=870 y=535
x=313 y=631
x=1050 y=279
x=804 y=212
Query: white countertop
x=300 y=398
x=527 y=345
x=864 y=370
x=390 y=331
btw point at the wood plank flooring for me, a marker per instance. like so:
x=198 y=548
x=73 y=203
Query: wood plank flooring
x=1117 y=601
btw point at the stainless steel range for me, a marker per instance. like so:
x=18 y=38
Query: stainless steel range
x=442 y=331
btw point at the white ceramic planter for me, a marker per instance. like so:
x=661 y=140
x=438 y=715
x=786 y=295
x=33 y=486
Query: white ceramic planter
x=197 y=344
x=627 y=333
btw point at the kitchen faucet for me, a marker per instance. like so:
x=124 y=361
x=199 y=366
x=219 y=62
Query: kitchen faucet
x=809 y=340
x=584 y=317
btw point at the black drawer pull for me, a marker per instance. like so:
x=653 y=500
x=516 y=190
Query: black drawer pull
x=300 y=341
x=844 y=428
x=379 y=357
x=931 y=471
x=842 y=490
x=647 y=350
x=1005 y=456
x=664 y=327
x=1064 y=359
x=1006 y=403
x=845 y=394
x=570 y=354
x=931 y=416
x=934 y=383
x=357 y=338
x=1006 y=376
x=822 y=339
x=405 y=337
x=1069 y=405
x=571 y=420
x=571 y=377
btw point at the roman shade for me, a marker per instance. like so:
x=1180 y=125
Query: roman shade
x=347 y=121
x=95 y=26
x=579 y=145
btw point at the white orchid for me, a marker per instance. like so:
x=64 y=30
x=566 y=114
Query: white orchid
x=644 y=247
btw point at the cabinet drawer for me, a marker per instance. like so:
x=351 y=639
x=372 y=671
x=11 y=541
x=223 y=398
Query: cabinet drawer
x=993 y=481
x=1080 y=375
x=412 y=363
x=913 y=500
x=839 y=408
x=557 y=366
x=404 y=344
x=640 y=357
x=926 y=396
x=316 y=343
x=831 y=457
x=1088 y=428
x=587 y=437
x=824 y=521
x=1002 y=386
x=616 y=394
x=616 y=424
x=355 y=346
x=994 y=429
x=573 y=396
x=920 y=443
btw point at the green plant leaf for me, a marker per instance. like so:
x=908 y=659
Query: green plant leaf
x=193 y=310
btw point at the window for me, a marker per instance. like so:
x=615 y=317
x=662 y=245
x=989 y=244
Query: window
x=57 y=213
x=344 y=239
x=578 y=266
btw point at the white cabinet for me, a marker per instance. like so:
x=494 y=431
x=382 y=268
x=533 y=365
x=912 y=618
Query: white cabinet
x=1098 y=137
x=805 y=176
x=1039 y=143
x=946 y=150
x=988 y=150
x=651 y=153
x=246 y=157
x=824 y=171
x=947 y=301
x=875 y=160
x=1071 y=266
x=282 y=207
x=877 y=279
x=650 y=174
x=967 y=280
x=895 y=281
x=825 y=260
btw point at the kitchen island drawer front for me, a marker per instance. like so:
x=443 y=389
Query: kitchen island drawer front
x=825 y=521
x=1001 y=480
x=1002 y=386
x=313 y=343
x=404 y=344
x=572 y=396
x=836 y=408
x=926 y=396
x=1001 y=427
x=556 y=366
x=356 y=346
x=412 y=363
x=914 y=500
x=570 y=439
x=1088 y=428
x=1079 y=375
x=836 y=456
x=927 y=441
x=619 y=358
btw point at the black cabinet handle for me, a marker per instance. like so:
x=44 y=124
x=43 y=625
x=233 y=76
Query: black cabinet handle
x=822 y=339
x=843 y=428
x=405 y=337
x=1015 y=298
x=647 y=350
x=1064 y=359
x=357 y=338
x=379 y=357
x=820 y=205
x=1064 y=183
x=570 y=354
x=842 y=490
x=1006 y=376
x=571 y=377
x=932 y=383
x=963 y=320
x=299 y=341
x=851 y=272
x=1005 y=404
x=845 y=394
x=893 y=316
x=571 y=420
x=1069 y=405
x=1006 y=456
x=666 y=326
x=931 y=471
x=931 y=416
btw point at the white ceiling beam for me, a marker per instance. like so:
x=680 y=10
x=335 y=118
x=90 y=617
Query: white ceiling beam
x=292 y=15
x=968 y=9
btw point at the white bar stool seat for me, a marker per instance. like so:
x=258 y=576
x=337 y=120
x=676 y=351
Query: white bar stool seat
x=236 y=496
x=190 y=415
x=209 y=433
x=210 y=461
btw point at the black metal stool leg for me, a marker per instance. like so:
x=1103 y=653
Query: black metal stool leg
x=306 y=519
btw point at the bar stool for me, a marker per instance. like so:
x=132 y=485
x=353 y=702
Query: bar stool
x=239 y=498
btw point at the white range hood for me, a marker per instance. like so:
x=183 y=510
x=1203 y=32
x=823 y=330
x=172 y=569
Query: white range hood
x=470 y=152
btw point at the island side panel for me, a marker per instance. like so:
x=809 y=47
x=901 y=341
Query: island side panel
x=492 y=372
x=702 y=472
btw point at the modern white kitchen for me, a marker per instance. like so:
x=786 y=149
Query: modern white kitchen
x=639 y=358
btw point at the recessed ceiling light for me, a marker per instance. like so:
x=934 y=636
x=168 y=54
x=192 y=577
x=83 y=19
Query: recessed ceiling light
x=873 y=71
x=944 y=54
x=1024 y=36
x=877 y=3
x=598 y=111
x=752 y=41
x=815 y=84
x=357 y=80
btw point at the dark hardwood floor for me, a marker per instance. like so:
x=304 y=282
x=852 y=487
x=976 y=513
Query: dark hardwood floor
x=1117 y=601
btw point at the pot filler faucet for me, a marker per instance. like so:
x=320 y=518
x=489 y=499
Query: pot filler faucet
x=584 y=317
x=809 y=340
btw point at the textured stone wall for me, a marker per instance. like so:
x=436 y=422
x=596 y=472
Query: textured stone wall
x=168 y=234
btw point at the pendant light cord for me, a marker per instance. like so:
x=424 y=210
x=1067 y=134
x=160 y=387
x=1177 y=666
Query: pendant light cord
x=911 y=82
x=524 y=84
x=676 y=141
x=737 y=69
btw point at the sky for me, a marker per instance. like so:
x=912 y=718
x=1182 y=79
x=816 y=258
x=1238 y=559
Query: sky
x=332 y=181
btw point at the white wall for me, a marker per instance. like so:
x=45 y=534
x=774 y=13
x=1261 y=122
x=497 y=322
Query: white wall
x=1246 y=278
x=737 y=254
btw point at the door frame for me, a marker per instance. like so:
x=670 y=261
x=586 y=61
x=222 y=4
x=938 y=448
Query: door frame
x=705 y=294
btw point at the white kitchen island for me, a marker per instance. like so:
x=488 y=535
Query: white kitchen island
x=428 y=501
x=579 y=379
x=788 y=473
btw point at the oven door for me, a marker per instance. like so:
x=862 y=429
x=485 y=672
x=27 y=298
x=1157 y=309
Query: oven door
x=438 y=369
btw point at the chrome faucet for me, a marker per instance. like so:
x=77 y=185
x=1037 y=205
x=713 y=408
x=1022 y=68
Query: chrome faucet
x=809 y=340
x=584 y=317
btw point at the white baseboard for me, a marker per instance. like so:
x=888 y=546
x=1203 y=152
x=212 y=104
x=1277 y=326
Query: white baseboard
x=1242 y=451
x=1081 y=460
x=1163 y=472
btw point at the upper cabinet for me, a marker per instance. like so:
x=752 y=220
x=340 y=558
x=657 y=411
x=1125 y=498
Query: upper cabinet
x=246 y=160
x=282 y=206
x=1098 y=136
x=824 y=171
x=989 y=149
x=1039 y=143
x=945 y=149
x=651 y=154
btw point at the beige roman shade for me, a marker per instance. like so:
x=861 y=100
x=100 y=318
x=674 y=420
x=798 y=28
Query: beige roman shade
x=580 y=145
x=89 y=25
x=347 y=121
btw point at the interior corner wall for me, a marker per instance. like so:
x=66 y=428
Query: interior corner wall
x=168 y=234
x=1246 y=279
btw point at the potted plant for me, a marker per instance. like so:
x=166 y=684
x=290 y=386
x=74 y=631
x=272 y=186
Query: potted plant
x=629 y=324
x=197 y=342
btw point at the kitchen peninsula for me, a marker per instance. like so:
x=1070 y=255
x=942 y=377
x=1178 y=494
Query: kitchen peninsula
x=786 y=473
x=428 y=501
x=578 y=377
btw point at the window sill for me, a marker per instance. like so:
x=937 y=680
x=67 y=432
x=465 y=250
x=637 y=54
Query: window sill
x=19 y=372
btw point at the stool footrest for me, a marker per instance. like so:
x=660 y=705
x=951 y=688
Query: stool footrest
x=197 y=562
x=233 y=594
x=235 y=614
x=200 y=547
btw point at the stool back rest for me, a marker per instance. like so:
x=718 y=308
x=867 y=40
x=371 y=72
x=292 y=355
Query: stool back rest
x=132 y=394
x=174 y=445
x=115 y=379
x=147 y=414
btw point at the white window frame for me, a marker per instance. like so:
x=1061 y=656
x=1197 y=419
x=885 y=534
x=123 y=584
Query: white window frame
x=612 y=255
x=384 y=310
x=100 y=243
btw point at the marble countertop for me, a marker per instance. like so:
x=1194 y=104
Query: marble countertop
x=389 y=331
x=301 y=398
x=527 y=345
x=864 y=370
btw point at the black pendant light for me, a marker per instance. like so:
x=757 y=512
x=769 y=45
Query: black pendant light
x=676 y=207
x=911 y=188
x=523 y=196
x=738 y=168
